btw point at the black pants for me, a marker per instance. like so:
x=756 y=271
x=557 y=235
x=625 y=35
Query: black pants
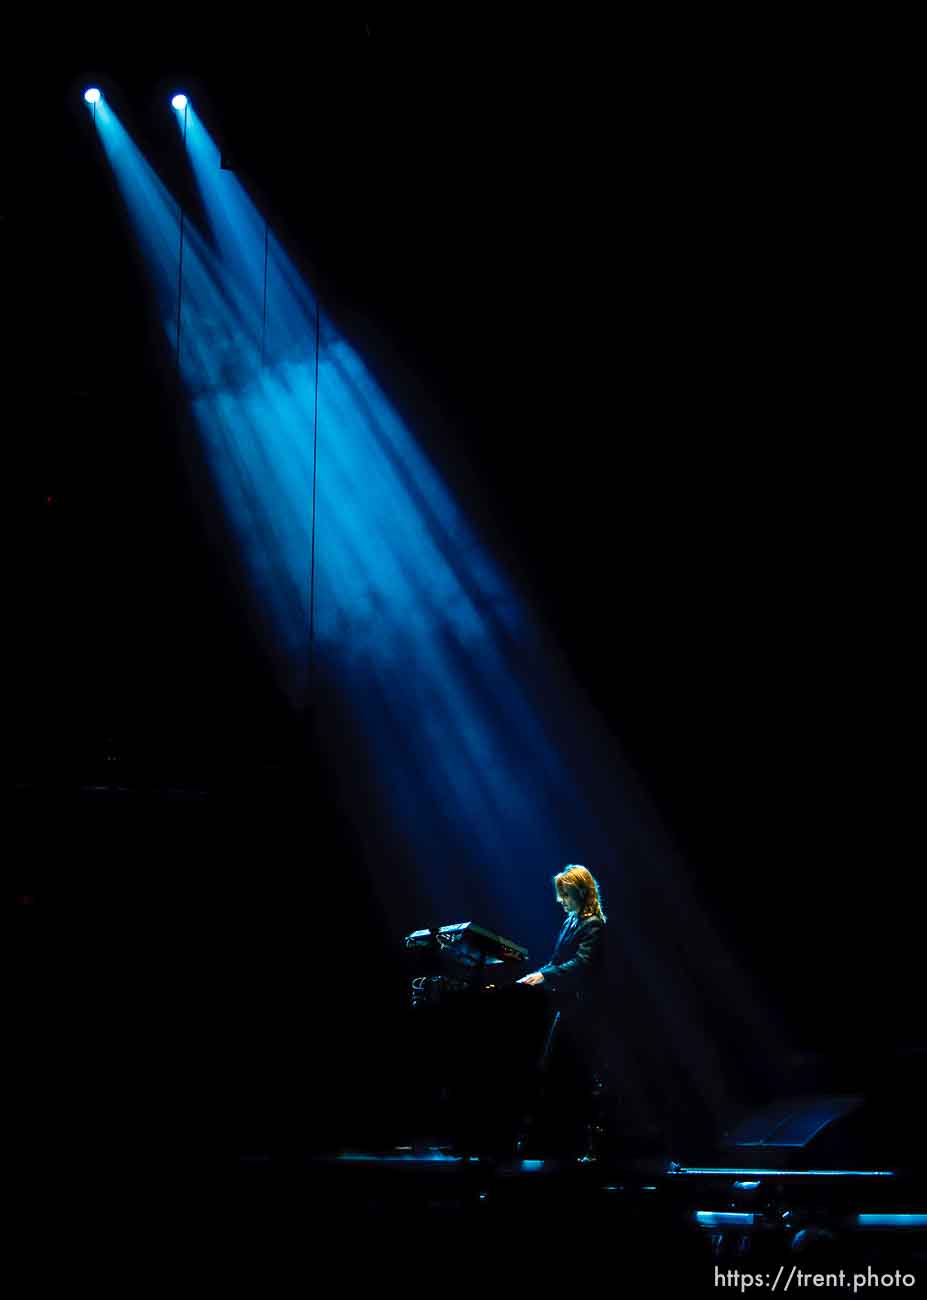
x=572 y=1083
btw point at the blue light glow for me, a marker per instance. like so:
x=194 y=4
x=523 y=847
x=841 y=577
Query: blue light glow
x=532 y=1165
x=789 y=1123
x=746 y=1187
x=92 y=95
x=793 y=1173
x=892 y=1220
x=179 y=102
x=723 y=1219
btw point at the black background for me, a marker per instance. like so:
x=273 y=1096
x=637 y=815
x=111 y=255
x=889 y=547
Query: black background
x=645 y=294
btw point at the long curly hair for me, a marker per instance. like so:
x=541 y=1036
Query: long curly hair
x=576 y=882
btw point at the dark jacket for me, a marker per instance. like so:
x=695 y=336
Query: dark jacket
x=577 y=964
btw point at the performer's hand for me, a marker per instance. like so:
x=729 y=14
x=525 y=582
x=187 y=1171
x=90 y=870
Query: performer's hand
x=535 y=978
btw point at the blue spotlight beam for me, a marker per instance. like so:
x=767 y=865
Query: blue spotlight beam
x=251 y=421
x=488 y=760
x=429 y=642
x=268 y=287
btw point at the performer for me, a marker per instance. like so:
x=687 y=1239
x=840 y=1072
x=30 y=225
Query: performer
x=571 y=1071
x=576 y=963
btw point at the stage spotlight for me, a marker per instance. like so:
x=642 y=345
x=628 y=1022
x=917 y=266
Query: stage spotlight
x=179 y=102
x=92 y=95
